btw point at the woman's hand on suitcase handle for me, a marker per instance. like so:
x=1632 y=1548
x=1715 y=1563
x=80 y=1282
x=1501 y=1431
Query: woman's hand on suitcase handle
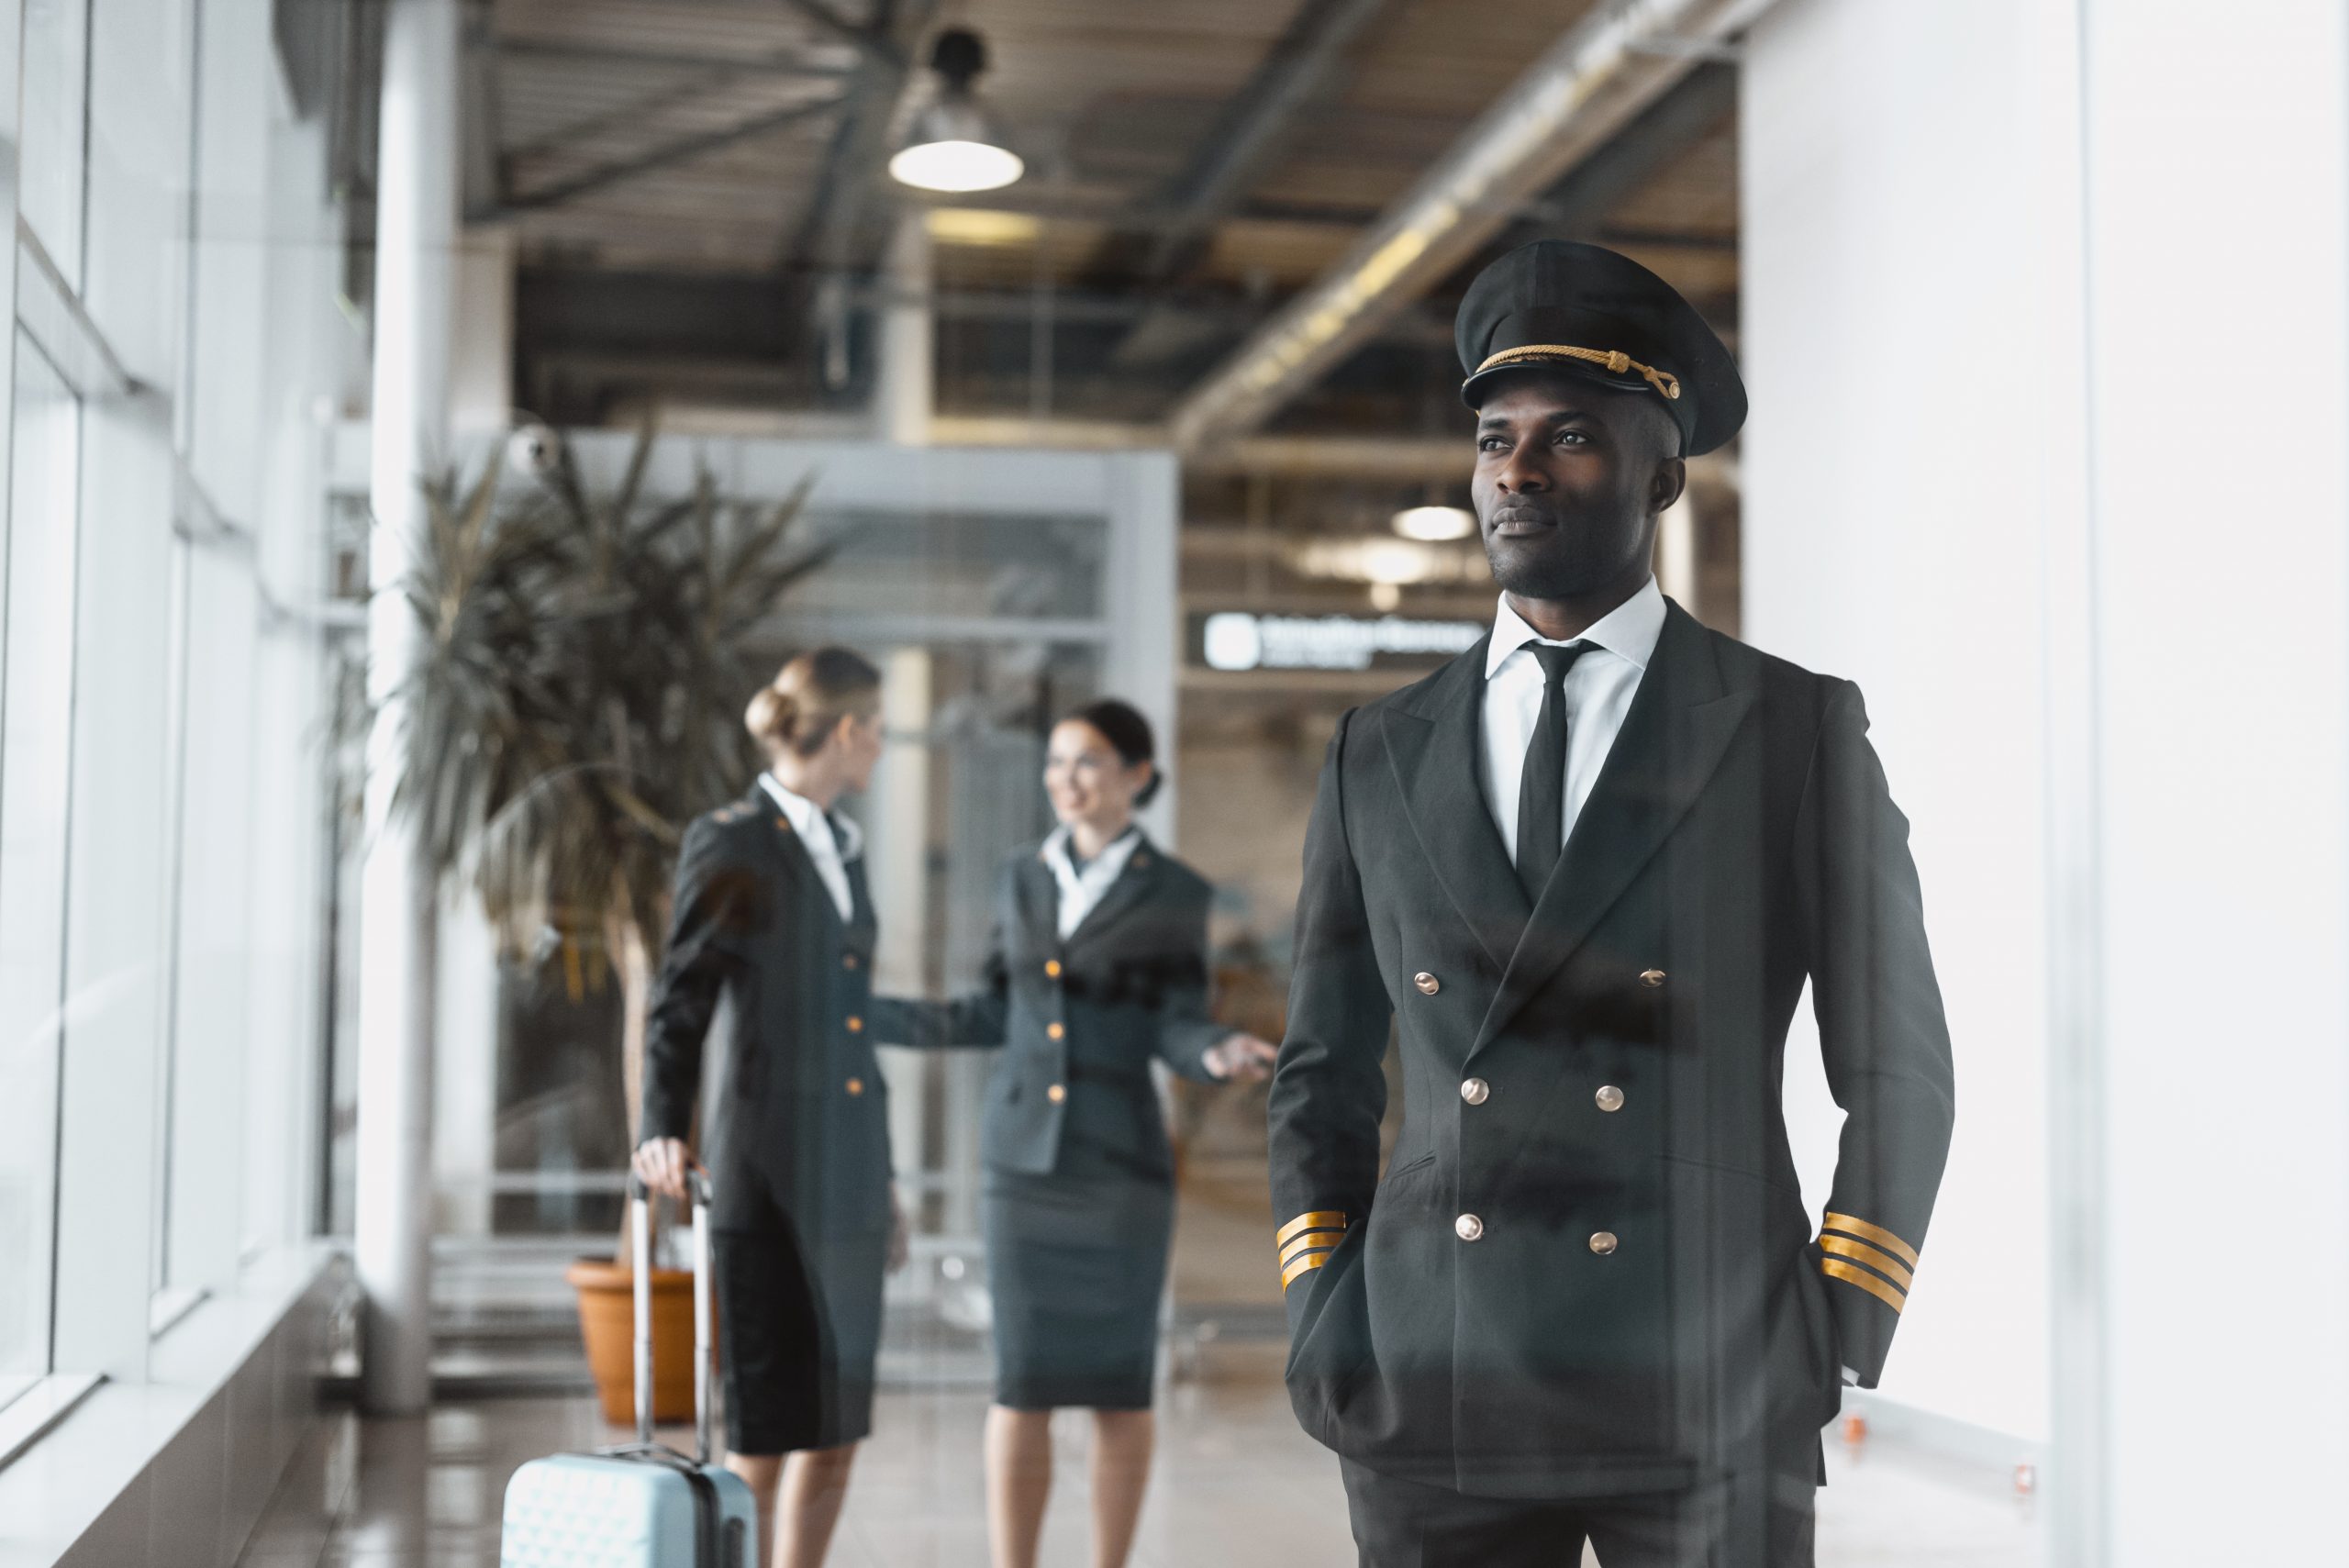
x=663 y=1163
x=1242 y=1058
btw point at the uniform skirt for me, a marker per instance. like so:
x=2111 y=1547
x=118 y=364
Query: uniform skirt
x=799 y=1329
x=1076 y=1263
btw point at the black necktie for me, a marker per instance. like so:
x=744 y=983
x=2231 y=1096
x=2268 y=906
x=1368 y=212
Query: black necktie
x=1542 y=789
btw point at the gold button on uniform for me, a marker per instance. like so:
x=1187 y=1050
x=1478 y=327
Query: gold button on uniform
x=855 y=1025
x=1428 y=984
x=848 y=961
x=1468 y=1227
x=1651 y=978
x=1052 y=969
x=1476 y=1090
x=1057 y=1092
x=1602 y=1242
x=1609 y=1097
x=856 y=1085
x=1054 y=1031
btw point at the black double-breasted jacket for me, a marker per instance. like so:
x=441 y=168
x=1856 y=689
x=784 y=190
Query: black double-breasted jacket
x=1080 y=1017
x=761 y=966
x=1588 y=1268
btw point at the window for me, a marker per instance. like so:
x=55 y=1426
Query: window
x=35 y=709
x=56 y=86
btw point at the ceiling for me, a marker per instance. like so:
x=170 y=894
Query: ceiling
x=696 y=194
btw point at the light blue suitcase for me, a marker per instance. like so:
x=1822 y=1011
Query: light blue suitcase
x=642 y=1505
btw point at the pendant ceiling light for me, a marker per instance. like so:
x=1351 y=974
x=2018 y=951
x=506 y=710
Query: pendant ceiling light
x=954 y=144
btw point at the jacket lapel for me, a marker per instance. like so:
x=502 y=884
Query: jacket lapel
x=1433 y=747
x=860 y=895
x=1680 y=726
x=1035 y=896
x=793 y=856
x=1134 y=881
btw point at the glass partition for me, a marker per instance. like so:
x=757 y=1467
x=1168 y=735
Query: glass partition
x=36 y=716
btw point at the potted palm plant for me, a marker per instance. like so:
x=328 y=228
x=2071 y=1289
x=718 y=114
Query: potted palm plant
x=577 y=703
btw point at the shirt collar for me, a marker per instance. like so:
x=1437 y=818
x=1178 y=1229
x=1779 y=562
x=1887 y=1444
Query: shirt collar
x=1630 y=630
x=1104 y=866
x=804 y=814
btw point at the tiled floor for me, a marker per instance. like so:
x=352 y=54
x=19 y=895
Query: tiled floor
x=1236 y=1486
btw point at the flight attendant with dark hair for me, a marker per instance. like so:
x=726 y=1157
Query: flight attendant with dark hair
x=772 y=917
x=1099 y=966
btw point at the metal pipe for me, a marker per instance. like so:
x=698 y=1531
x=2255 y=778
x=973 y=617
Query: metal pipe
x=1579 y=93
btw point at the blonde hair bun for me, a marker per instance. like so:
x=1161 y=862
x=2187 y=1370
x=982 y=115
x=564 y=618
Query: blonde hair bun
x=805 y=703
x=770 y=717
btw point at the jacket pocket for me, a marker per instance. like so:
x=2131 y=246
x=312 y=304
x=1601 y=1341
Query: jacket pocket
x=1411 y=1167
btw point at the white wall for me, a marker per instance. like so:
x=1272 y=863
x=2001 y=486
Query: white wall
x=2216 y=180
x=1893 y=504
x=2046 y=317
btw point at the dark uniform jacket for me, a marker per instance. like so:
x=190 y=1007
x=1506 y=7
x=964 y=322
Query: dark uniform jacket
x=1079 y=1020
x=798 y=1115
x=1588 y=1268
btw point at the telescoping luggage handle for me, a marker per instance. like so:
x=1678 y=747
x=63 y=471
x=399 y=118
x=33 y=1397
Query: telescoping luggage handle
x=640 y=1224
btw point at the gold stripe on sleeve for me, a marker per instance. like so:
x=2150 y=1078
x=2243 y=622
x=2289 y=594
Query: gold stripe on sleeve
x=1303 y=1266
x=1312 y=1240
x=1875 y=1233
x=1861 y=1252
x=1319 y=1219
x=1834 y=1268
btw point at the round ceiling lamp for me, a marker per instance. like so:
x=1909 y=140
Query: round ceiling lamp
x=1433 y=525
x=953 y=145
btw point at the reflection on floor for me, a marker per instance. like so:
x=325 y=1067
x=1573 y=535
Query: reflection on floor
x=1236 y=1484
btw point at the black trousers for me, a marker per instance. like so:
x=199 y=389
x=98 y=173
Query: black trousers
x=1762 y=1522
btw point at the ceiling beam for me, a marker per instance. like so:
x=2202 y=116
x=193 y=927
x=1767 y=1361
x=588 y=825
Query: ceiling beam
x=480 y=133
x=1293 y=74
x=1574 y=99
x=606 y=175
x=560 y=53
x=1602 y=182
x=874 y=42
x=830 y=241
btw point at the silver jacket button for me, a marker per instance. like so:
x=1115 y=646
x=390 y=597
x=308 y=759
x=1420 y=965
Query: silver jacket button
x=1651 y=978
x=1468 y=1227
x=1602 y=1242
x=1476 y=1090
x=1609 y=1097
x=1428 y=984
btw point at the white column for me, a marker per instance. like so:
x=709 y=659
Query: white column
x=897 y=873
x=2216 y=245
x=415 y=221
x=1140 y=576
x=1898 y=491
x=2049 y=346
x=903 y=380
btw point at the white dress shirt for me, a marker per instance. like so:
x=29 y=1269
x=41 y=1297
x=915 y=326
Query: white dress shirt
x=1080 y=890
x=1598 y=689
x=830 y=851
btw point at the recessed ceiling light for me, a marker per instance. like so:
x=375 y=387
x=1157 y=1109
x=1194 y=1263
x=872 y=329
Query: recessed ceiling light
x=1435 y=523
x=982 y=227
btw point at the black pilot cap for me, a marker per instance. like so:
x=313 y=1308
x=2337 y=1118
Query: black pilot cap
x=1593 y=314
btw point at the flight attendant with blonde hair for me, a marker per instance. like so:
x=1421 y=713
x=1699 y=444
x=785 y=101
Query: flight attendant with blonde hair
x=771 y=918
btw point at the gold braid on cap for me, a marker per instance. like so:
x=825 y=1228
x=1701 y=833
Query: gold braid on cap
x=1615 y=360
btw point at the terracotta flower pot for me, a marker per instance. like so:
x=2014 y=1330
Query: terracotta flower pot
x=608 y=1324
